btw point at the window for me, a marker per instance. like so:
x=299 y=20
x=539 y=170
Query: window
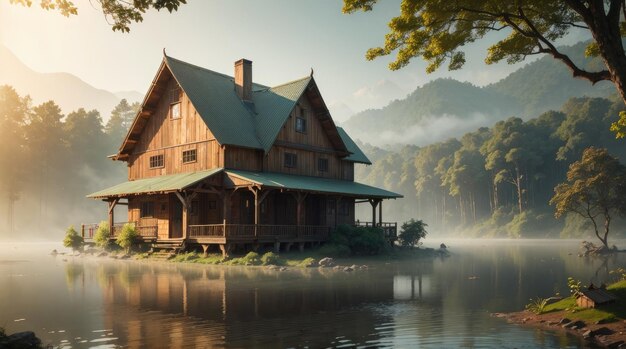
x=291 y=160
x=175 y=110
x=189 y=156
x=195 y=207
x=322 y=165
x=301 y=125
x=212 y=205
x=156 y=161
x=147 y=209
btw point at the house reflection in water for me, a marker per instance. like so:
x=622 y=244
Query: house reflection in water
x=173 y=306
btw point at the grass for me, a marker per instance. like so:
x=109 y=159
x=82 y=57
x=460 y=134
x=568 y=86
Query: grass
x=607 y=313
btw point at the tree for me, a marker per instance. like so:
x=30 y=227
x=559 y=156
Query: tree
x=412 y=232
x=72 y=239
x=118 y=13
x=103 y=235
x=14 y=112
x=437 y=31
x=595 y=189
x=120 y=121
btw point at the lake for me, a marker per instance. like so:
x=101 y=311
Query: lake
x=427 y=303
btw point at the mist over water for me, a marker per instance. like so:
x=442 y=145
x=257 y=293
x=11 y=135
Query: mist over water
x=82 y=302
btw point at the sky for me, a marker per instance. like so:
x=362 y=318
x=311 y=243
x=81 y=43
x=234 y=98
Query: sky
x=285 y=39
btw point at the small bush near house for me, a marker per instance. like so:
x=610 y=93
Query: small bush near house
x=359 y=240
x=102 y=235
x=334 y=250
x=271 y=258
x=127 y=237
x=73 y=239
x=252 y=258
x=412 y=232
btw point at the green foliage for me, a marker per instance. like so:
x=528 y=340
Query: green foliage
x=619 y=126
x=574 y=286
x=252 y=258
x=595 y=189
x=307 y=262
x=72 y=239
x=186 y=257
x=359 y=240
x=127 y=237
x=271 y=258
x=537 y=305
x=412 y=232
x=102 y=235
x=119 y=13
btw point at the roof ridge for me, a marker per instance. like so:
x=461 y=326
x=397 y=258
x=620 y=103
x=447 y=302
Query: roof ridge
x=291 y=82
x=212 y=71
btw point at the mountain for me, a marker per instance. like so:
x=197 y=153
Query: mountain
x=446 y=108
x=67 y=90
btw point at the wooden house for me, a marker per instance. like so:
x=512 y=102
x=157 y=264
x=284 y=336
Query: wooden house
x=593 y=297
x=220 y=160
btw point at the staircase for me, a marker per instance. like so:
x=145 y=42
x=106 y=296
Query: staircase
x=168 y=246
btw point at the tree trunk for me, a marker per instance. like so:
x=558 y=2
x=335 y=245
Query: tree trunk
x=607 y=224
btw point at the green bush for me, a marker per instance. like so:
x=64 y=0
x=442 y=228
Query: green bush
x=73 y=239
x=412 y=232
x=271 y=258
x=358 y=240
x=308 y=262
x=252 y=258
x=537 y=305
x=102 y=235
x=334 y=250
x=127 y=237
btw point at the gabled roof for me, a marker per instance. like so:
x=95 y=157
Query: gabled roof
x=234 y=122
x=357 y=154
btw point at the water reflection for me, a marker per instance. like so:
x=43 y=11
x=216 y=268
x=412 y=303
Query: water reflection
x=418 y=303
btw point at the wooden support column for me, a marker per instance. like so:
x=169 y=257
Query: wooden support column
x=374 y=203
x=300 y=213
x=112 y=205
x=259 y=196
x=185 y=201
x=380 y=212
x=226 y=199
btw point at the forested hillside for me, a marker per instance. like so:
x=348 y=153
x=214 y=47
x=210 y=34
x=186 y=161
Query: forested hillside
x=495 y=181
x=448 y=108
x=50 y=161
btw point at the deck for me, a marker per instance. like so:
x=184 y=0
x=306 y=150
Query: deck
x=226 y=235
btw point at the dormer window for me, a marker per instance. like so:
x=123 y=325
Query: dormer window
x=175 y=110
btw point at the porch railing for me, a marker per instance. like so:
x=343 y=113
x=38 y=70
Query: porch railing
x=146 y=228
x=258 y=232
x=390 y=229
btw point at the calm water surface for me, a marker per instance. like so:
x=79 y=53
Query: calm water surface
x=440 y=303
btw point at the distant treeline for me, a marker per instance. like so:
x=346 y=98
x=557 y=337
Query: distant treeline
x=49 y=162
x=496 y=181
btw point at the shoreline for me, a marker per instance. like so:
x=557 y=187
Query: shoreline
x=609 y=335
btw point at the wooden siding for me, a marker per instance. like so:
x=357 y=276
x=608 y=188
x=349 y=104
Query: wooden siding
x=309 y=147
x=170 y=137
x=161 y=212
x=243 y=158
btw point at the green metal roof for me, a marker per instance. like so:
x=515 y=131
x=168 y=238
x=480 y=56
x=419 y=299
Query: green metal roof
x=157 y=184
x=234 y=122
x=313 y=184
x=357 y=154
x=273 y=106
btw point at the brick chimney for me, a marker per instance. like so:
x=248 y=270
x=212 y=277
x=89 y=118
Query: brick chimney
x=243 y=79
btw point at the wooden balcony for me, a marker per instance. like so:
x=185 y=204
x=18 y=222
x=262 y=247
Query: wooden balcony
x=146 y=228
x=390 y=229
x=242 y=233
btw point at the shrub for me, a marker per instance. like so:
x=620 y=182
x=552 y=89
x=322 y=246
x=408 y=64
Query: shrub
x=412 y=232
x=574 y=286
x=359 y=240
x=73 y=239
x=271 y=258
x=127 y=237
x=307 y=262
x=252 y=258
x=102 y=235
x=537 y=305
